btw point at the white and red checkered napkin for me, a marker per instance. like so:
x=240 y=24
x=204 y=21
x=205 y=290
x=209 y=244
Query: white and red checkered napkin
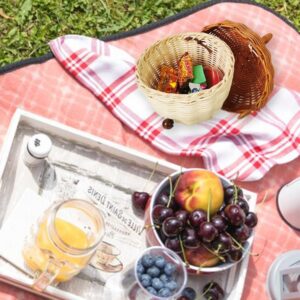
x=233 y=147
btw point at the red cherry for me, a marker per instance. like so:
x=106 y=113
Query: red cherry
x=189 y=238
x=139 y=200
x=212 y=290
x=168 y=123
x=234 y=255
x=197 y=217
x=223 y=243
x=182 y=215
x=160 y=213
x=243 y=204
x=251 y=220
x=173 y=244
x=235 y=214
x=207 y=231
x=242 y=233
x=172 y=226
x=219 y=222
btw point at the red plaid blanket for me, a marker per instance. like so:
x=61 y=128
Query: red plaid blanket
x=245 y=148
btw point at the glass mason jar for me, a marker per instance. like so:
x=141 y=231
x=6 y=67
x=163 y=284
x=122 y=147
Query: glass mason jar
x=64 y=240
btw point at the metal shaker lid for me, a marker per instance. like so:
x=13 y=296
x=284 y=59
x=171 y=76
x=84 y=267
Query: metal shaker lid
x=282 y=262
x=39 y=145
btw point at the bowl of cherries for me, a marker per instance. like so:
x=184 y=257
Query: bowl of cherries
x=203 y=217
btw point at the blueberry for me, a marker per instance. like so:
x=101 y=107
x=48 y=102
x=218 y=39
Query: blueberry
x=153 y=271
x=164 y=292
x=164 y=278
x=140 y=269
x=146 y=276
x=157 y=283
x=160 y=262
x=145 y=283
x=152 y=290
x=139 y=275
x=145 y=280
x=171 y=285
x=189 y=293
x=147 y=260
x=169 y=268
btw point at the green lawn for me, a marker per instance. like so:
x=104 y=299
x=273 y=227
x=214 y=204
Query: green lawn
x=26 y=26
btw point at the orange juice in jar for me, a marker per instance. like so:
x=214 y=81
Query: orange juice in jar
x=63 y=242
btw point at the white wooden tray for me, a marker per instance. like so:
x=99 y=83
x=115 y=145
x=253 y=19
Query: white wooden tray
x=82 y=165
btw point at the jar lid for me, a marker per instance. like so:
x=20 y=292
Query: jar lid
x=282 y=262
x=39 y=145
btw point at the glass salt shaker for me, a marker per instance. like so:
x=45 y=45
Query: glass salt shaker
x=37 y=149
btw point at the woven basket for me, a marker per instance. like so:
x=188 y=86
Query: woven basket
x=253 y=72
x=204 y=49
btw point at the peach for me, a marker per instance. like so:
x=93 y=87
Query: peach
x=200 y=257
x=196 y=187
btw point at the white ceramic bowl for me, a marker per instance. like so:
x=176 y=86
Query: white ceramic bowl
x=153 y=238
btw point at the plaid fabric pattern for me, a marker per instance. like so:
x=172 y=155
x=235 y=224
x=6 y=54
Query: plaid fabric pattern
x=237 y=148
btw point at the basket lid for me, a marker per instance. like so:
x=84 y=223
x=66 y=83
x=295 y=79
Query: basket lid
x=253 y=71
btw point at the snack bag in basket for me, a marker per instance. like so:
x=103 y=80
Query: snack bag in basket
x=185 y=69
x=168 y=80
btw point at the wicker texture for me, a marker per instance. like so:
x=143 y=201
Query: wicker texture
x=204 y=49
x=253 y=73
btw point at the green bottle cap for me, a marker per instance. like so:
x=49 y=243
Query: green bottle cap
x=198 y=73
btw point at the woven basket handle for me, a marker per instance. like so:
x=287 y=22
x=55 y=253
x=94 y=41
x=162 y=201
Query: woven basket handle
x=199 y=42
x=266 y=38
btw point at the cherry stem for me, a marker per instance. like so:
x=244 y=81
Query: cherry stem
x=183 y=252
x=172 y=191
x=263 y=249
x=235 y=193
x=148 y=226
x=263 y=201
x=213 y=252
x=208 y=206
x=219 y=248
x=239 y=246
x=176 y=183
x=150 y=177
x=207 y=290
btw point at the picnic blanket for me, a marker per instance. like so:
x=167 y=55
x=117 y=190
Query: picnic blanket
x=46 y=88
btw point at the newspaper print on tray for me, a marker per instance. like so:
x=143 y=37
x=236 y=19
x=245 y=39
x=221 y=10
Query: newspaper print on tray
x=74 y=171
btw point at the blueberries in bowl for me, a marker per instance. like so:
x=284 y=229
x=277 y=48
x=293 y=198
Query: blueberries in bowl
x=160 y=275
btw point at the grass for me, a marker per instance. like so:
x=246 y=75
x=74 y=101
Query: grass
x=26 y=26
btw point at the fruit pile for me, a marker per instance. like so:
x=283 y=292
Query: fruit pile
x=203 y=219
x=157 y=275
